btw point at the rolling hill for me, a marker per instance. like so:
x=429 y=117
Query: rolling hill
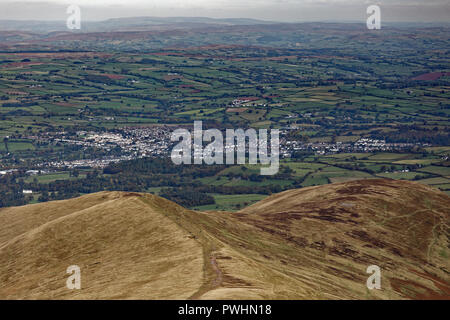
x=126 y=24
x=311 y=243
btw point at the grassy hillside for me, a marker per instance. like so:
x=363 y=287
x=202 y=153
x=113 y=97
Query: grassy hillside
x=124 y=247
x=311 y=243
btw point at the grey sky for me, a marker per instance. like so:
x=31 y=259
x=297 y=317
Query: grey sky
x=276 y=10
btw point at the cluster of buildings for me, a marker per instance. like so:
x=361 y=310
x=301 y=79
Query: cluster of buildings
x=244 y=101
x=363 y=145
x=138 y=142
x=3 y=172
x=87 y=163
x=127 y=144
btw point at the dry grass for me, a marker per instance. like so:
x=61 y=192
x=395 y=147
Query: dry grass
x=124 y=248
x=312 y=243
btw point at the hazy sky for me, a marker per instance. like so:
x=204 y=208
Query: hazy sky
x=276 y=10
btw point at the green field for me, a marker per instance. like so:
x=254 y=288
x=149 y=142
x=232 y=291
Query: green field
x=232 y=202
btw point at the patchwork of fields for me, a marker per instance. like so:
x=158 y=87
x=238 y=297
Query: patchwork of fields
x=299 y=78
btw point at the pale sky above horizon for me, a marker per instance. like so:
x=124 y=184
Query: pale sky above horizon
x=274 y=10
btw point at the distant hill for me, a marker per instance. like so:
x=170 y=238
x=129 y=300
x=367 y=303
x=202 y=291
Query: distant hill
x=124 y=24
x=143 y=34
x=311 y=243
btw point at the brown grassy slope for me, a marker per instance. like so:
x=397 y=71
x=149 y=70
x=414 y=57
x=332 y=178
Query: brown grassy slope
x=312 y=243
x=338 y=230
x=125 y=249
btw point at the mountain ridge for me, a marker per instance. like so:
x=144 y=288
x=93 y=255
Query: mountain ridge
x=310 y=243
x=125 y=24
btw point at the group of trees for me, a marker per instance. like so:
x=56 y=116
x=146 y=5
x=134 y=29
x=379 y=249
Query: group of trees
x=11 y=193
x=181 y=184
x=187 y=197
